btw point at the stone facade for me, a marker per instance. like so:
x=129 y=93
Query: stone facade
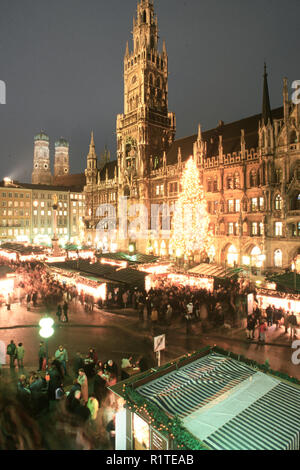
x=250 y=169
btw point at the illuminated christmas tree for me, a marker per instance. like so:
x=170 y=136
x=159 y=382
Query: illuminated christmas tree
x=191 y=234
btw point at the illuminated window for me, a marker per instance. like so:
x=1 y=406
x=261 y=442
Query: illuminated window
x=278 y=203
x=232 y=256
x=254 y=228
x=254 y=204
x=236 y=180
x=231 y=205
x=278 y=229
x=141 y=434
x=261 y=203
x=278 y=259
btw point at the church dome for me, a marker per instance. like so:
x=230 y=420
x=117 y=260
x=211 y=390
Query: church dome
x=62 y=143
x=42 y=136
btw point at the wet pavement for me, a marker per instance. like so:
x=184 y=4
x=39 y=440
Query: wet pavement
x=119 y=333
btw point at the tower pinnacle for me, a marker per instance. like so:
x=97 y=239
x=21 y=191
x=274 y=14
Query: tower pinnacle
x=266 y=109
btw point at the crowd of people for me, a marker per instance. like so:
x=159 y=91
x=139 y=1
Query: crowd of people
x=260 y=321
x=76 y=389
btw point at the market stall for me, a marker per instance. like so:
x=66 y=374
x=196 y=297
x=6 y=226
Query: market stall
x=286 y=301
x=157 y=280
x=78 y=251
x=23 y=252
x=92 y=277
x=211 y=399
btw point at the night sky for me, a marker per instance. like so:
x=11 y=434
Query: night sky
x=62 y=61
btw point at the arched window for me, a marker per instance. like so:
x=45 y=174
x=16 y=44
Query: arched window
x=158 y=82
x=152 y=42
x=144 y=17
x=278 y=203
x=256 y=257
x=232 y=256
x=151 y=79
x=209 y=185
x=278 y=259
x=215 y=185
x=236 y=180
x=253 y=178
x=229 y=182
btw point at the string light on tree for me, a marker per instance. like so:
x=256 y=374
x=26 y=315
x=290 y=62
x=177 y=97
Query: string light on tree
x=191 y=231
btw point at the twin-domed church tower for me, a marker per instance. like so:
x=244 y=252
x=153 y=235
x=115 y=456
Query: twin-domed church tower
x=41 y=160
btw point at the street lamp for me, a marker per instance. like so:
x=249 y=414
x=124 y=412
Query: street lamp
x=46 y=331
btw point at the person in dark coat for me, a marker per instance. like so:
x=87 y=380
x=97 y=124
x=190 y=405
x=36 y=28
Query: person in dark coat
x=28 y=300
x=34 y=298
x=79 y=410
x=100 y=390
x=78 y=363
x=269 y=312
x=251 y=323
x=76 y=386
x=12 y=353
x=59 y=312
x=112 y=368
x=56 y=378
x=65 y=309
x=143 y=364
x=42 y=354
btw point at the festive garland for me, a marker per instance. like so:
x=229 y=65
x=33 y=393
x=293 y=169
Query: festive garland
x=159 y=420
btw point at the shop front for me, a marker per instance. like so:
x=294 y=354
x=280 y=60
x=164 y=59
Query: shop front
x=286 y=301
x=134 y=432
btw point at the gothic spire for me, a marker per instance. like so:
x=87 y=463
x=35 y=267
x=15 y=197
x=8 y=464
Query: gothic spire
x=266 y=109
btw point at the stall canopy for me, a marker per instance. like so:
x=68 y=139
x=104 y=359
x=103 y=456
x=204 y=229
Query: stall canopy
x=224 y=403
x=215 y=271
x=130 y=258
x=128 y=276
x=72 y=247
x=287 y=281
x=22 y=250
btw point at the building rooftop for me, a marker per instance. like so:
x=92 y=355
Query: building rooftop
x=38 y=187
x=231 y=135
x=126 y=276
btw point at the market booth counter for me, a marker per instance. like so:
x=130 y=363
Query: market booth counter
x=287 y=301
x=209 y=400
x=7 y=283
